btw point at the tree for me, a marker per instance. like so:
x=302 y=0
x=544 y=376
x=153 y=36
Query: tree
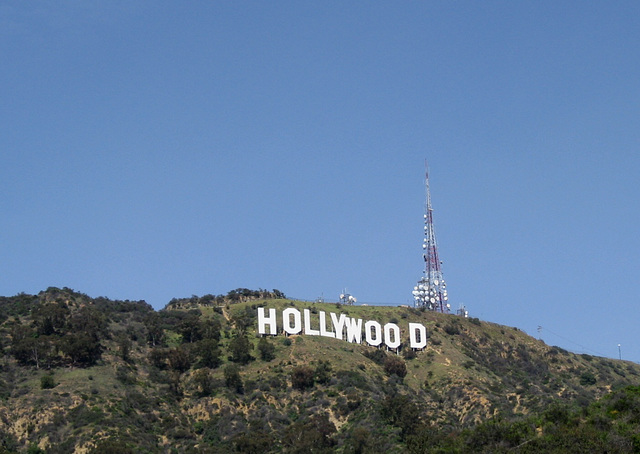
x=155 y=333
x=90 y=321
x=179 y=359
x=50 y=318
x=358 y=441
x=158 y=357
x=210 y=329
x=232 y=378
x=401 y=412
x=81 y=348
x=312 y=435
x=267 y=349
x=240 y=349
x=253 y=442
x=190 y=328
x=209 y=353
x=124 y=347
x=204 y=381
x=243 y=319
x=28 y=347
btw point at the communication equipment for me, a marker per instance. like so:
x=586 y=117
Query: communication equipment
x=430 y=292
x=348 y=299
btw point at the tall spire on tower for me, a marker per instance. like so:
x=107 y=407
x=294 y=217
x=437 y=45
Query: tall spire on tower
x=431 y=290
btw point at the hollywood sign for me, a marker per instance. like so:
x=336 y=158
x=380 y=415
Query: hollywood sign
x=342 y=327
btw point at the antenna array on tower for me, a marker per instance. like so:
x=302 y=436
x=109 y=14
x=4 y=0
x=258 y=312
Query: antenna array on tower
x=431 y=290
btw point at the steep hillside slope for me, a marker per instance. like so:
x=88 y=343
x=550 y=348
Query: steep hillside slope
x=82 y=374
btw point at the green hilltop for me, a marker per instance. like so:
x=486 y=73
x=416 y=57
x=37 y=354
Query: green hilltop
x=94 y=375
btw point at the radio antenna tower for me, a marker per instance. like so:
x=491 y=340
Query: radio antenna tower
x=431 y=290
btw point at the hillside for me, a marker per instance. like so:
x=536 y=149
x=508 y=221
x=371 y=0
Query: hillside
x=82 y=374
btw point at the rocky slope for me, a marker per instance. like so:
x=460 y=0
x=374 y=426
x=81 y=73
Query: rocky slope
x=82 y=374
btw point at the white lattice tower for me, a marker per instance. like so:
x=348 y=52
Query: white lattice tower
x=431 y=290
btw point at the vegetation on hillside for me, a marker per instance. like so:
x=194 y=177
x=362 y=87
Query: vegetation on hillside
x=96 y=375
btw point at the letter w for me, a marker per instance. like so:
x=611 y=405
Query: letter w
x=354 y=330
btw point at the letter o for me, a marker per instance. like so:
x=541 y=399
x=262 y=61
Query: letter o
x=286 y=321
x=369 y=328
x=388 y=329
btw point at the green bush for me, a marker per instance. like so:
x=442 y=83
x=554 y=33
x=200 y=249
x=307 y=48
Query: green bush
x=47 y=382
x=232 y=378
x=302 y=378
x=587 y=378
x=394 y=365
x=451 y=330
x=266 y=349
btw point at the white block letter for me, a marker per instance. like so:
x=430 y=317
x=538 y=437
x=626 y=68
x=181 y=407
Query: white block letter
x=323 y=326
x=286 y=321
x=369 y=327
x=338 y=324
x=263 y=321
x=388 y=329
x=307 y=324
x=417 y=330
x=354 y=330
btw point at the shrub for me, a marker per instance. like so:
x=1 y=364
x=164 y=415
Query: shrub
x=587 y=378
x=451 y=330
x=409 y=353
x=34 y=449
x=351 y=378
x=395 y=366
x=124 y=376
x=323 y=372
x=302 y=378
x=468 y=364
x=378 y=356
x=112 y=446
x=47 y=382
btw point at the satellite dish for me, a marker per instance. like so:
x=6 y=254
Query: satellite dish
x=341 y=295
x=448 y=306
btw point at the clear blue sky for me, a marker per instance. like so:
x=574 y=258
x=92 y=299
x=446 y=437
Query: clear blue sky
x=153 y=150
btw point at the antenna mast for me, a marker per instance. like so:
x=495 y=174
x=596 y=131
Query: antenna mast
x=431 y=290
